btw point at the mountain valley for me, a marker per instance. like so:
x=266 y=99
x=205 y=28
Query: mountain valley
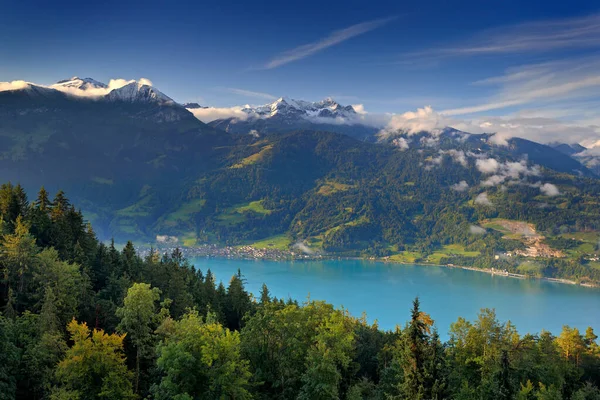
x=142 y=166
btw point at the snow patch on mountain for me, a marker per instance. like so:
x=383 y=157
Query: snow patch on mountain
x=138 y=92
x=117 y=90
x=80 y=83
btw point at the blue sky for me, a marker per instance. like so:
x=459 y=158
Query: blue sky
x=468 y=60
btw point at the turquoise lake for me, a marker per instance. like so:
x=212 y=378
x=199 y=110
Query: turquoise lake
x=385 y=292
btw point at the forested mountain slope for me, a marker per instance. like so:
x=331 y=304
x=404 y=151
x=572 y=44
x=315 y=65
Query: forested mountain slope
x=141 y=166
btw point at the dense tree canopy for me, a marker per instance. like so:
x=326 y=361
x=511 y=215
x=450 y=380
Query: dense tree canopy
x=83 y=320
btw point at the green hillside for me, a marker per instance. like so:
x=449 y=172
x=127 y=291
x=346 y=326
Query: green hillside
x=140 y=170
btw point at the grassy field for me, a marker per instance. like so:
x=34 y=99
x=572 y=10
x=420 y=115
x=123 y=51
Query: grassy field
x=435 y=258
x=355 y=222
x=405 y=257
x=588 y=243
x=495 y=226
x=236 y=215
x=186 y=210
x=254 y=158
x=140 y=209
x=315 y=243
x=188 y=239
x=529 y=268
x=254 y=206
x=228 y=218
x=331 y=187
x=125 y=225
x=587 y=237
x=594 y=264
x=450 y=250
x=279 y=242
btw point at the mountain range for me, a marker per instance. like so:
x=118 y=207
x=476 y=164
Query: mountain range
x=285 y=114
x=141 y=166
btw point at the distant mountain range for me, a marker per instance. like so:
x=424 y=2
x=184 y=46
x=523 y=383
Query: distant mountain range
x=285 y=114
x=588 y=157
x=141 y=165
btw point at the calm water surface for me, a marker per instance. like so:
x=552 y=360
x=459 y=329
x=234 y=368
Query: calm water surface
x=385 y=291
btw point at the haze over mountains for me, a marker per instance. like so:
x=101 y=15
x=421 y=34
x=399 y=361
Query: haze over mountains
x=143 y=165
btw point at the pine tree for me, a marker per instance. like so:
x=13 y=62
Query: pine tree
x=415 y=341
x=42 y=202
x=22 y=202
x=237 y=302
x=18 y=256
x=138 y=321
x=41 y=225
x=9 y=207
x=505 y=389
x=435 y=376
x=60 y=206
x=130 y=260
x=265 y=296
x=49 y=321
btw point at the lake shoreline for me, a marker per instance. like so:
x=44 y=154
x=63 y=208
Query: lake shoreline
x=245 y=253
x=495 y=272
x=363 y=285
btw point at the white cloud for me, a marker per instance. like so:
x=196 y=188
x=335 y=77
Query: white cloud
x=482 y=199
x=501 y=172
x=359 y=108
x=458 y=156
x=487 y=165
x=401 y=143
x=494 y=180
x=14 y=85
x=411 y=122
x=460 y=186
x=549 y=189
x=560 y=95
x=250 y=93
x=99 y=92
x=500 y=138
x=212 y=113
x=476 y=230
x=539 y=36
x=303 y=248
x=332 y=39
x=534 y=124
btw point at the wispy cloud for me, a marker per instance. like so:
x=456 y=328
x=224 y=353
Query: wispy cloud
x=538 y=36
x=250 y=93
x=336 y=37
x=545 y=83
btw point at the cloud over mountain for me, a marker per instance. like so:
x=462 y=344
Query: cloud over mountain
x=14 y=85
x=210 y=114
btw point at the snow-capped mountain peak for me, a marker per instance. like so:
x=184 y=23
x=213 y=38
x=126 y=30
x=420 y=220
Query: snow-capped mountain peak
x=138 y=92
x=80 y=83
x=287 y=107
